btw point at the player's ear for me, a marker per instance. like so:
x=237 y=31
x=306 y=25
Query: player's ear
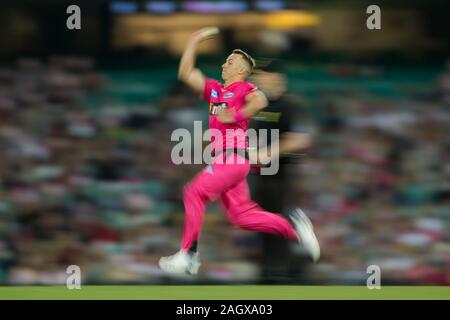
x=244 y=71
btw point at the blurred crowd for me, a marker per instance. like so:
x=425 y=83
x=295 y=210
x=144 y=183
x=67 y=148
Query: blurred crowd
x=87 y=179
x=378 y=186
x=93 y=185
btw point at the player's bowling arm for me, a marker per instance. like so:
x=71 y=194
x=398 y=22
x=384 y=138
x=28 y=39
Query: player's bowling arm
x=187 y=73
x=195 y=80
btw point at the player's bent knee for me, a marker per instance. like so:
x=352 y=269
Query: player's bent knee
x=235 y=221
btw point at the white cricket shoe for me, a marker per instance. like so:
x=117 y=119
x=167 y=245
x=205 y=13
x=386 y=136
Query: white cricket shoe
x=181 y=262
x=305 y=233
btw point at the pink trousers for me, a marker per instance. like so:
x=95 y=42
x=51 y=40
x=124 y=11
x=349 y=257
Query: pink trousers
x=228 y=181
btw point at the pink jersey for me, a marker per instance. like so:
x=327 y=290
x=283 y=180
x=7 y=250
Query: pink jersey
x=231 y=97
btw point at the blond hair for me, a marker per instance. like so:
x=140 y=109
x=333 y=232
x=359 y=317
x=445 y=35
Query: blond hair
x=250 y=62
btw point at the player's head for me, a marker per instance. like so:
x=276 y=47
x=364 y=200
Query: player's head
x=239 y=64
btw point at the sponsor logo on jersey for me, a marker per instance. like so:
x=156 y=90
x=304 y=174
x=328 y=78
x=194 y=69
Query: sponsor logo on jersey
x=228 y=95
x=214 y=107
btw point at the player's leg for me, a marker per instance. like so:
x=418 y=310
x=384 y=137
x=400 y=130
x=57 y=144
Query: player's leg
x=248 y=215
x=206 y=186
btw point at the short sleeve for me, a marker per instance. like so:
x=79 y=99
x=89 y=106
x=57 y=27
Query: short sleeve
x=210 y=85
x=250 y=88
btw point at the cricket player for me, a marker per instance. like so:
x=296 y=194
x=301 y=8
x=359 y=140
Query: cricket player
x=231 y=105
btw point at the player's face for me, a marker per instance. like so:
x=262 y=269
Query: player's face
x=233 y=66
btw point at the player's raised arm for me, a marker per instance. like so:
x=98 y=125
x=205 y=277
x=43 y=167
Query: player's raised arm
x=187 y=72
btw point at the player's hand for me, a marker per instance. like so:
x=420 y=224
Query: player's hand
x=204 y=33
x=226 y=116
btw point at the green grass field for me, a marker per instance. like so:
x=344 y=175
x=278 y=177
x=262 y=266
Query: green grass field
x=240 y=292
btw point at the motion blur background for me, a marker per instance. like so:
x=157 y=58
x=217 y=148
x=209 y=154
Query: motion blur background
x=86 y=117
